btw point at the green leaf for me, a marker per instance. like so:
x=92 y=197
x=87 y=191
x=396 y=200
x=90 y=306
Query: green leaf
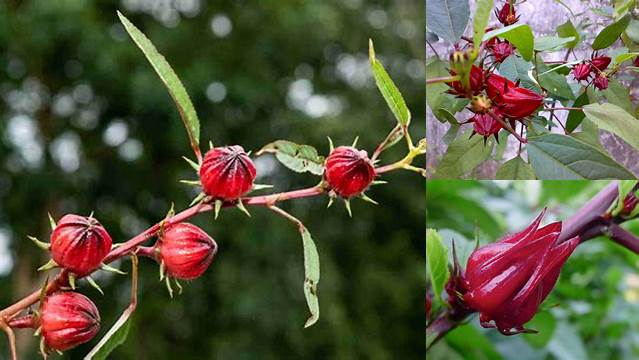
x=616 y=120
x=515 y=169
x=115 y=339
x=448 y=18
x=519 y=35
x=625 y=57
x=480 y=21
x=545 y=324
x=546 y=43
x=311 y=276
x=555 y=83
x=472 y=343
x=611 y=33
x=624 y=188
x=171 y=81
x=463 y=155
x=299 y=158
x=567 y=29
x=435 y=93
x=437 y=262
x=516 y=69
x=555 y=156
x=576 y=117
x=619 y=95
x=387 y=87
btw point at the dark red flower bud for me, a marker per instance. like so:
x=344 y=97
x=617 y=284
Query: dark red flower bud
x=636 y=62
x=79 y=244
x=581 y=71
x=600 y=62
x=477 y=83
x=348 y=171
x=68 y=319
x=502 y=50
x=513 y=101
x=485 y=125
x=601 y=81
x=227 y=173
x=507 y=14
x=509 y=279
x=629 y=204
x=186 y=250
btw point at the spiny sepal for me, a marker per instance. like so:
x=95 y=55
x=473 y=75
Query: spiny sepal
x=112 y=269
x=355 y=141
x=257 y=187
x=94 y=284
x=192 y=163
x=365 y=197
x=331 y=147
x=191 y=182
x=179 y=286
x=43 y=289
x=71 y=277
x=162 y=270
x=331 y=200
x=379 y=182
x=217 y=207
x=38 y=331
x=48 y=266
x=240 y=206
x=347 y=204
x=43 y=349
x=167 y=281
x=41 y=244
x=51 y=222
x=169 y=214
x=199 y=198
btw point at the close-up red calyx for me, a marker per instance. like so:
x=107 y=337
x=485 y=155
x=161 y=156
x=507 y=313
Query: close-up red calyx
x=186 y=251
x=600 y=62
x=227 y=173
x=68 y=319
x=507 y=15
x=348 y=171
x=601 y=81
x=509 y=279
x=485 y=125
x=513 y=101
x=79 y=244
x=581 y=71
x=477 y=83
x=502 y=50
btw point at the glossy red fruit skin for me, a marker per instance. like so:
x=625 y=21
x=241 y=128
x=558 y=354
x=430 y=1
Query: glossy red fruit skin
x=68 y=319
x=186 y=250
x=513 y=101
x=601 y=62
x=348 y=171
x=227 y=173
x=502 y=50
x=507 y=14
x=79 y=244
x=600 y=82
x=509 y=279
x=477 y=83
x=485 y=125
x=581 y=71
x=497 y=84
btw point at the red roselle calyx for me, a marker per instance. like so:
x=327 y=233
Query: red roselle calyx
x=186 y=251
x=79 y=244
x=348 y=171
x=227 y=173
x=485 y=125
x=509 y=279
x=507 y=14
x=502 y=50
x=68 y=319
x=581 y=71
x=600 y=62
x=513 y=101
x=601 y=81
x=477 y=83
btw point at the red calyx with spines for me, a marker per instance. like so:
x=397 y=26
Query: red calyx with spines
x=186 y=250
x=79 y=244
x=485 y=125
x=348 y=171
x=502 y=50
x=227 y=173
x=68 y=319
x=581 y=71
x=512 y=101
x=600 y=62
x=600 y=81
x=509 y=279
x=507 y=14
x=477 y=83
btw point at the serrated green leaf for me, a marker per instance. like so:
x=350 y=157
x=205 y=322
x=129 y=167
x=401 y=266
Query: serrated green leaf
x=519 y=35
x=389 y=90
x=515 y=169
x=448 y=18
x=171 y=81
x=618 y=94
x=299 y=158
x=480 y=20
x=436 y=262
x=566 y=30
x=463 y=155
x=616 y=120
x=559 y=157
x=611 y=33
x=311 y=276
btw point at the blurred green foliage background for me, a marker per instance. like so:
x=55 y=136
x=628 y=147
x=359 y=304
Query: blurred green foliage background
x=593 y=311
x=85 y=124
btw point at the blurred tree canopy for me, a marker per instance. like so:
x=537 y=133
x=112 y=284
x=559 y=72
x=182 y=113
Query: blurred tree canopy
x=593 y=311
x=85 y=124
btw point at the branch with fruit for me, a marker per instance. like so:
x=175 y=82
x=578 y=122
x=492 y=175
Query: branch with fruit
x=80 y=246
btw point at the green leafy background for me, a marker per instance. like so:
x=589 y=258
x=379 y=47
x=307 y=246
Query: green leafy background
x=597 y=296
x=68 y=71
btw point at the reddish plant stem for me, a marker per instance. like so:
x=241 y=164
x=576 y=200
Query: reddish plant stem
x=23 y=322
x=438 y=329
x=506 y=126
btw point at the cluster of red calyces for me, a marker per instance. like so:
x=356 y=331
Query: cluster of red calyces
x=506 y=281
x=501 y=49
x=593 y=71
x=348 y=171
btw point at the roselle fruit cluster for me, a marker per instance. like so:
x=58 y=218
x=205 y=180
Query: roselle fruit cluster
x=506 y=281
x=593 y=71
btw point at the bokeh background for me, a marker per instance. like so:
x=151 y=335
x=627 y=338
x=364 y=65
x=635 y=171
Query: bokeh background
x=85 y=124
x=593 y=311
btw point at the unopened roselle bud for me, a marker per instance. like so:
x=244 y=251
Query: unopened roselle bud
x=600 y=81
x=509 y=279
x=600 y=62
x=507 y=14
x=477 y=83
x=581 y=71
x=68 y=319
x=485 y=125
x=79 y=244
x=348 y=171
x=227 y=173
x=502 y=50
x=513 y=101
x=186 y=251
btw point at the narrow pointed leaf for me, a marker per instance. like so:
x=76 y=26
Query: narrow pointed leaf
x=436 y=262
x=480 y=20
x=389 y=90
x=311 y=276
